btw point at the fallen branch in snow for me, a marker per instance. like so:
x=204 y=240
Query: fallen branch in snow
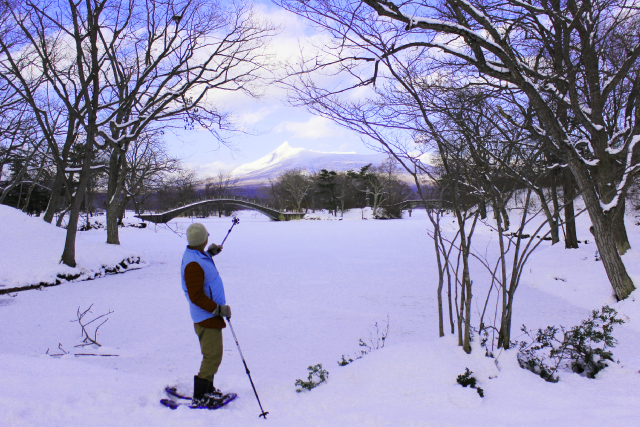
x=95 y=354
x=64 y=353
x=87 y=338
x=58 y=354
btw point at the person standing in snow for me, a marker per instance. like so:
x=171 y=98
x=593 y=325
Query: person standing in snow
x=204 y=290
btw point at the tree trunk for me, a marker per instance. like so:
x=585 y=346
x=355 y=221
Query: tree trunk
x=61 y=217
x=122 y=209
x=118 y=170
x=461 y=314
x=503 y=281
x=571 y=235
x=607 y=189
x=619 y=230
x=504 y=336
x=465 y=302
x=467 y=315
x=55 y=196
x=505 y=217
x=551 y=218
x=375 y=204
x=112 y=224
x=91 y=97
x=451 y=323
x=613 y=265
x=436 y=233
x=555 y=231
x=69 y=253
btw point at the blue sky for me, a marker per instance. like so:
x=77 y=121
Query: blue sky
x=272 y=121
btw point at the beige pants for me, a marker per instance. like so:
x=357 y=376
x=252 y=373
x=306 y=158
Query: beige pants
x=211 y=348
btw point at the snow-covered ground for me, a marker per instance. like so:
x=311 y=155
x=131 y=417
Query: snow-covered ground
x=302 y=293
x=32 y=249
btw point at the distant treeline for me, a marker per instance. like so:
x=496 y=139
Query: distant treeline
x=298 y=190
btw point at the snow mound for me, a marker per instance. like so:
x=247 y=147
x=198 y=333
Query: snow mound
x=31 y=250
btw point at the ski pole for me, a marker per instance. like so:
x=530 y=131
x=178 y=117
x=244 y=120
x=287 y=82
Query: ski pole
x=234 y=222
x=263 y=414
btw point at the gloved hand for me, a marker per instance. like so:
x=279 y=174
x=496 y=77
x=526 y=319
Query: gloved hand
x=214 y=249
x=222 y=310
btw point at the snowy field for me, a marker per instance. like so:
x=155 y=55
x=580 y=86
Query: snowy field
x=32 y=249
x=302 y=293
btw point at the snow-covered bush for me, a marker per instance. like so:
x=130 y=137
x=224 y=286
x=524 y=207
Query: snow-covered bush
x=316 y=371
x=584 y=348
x=466 y=380
x=389 y=212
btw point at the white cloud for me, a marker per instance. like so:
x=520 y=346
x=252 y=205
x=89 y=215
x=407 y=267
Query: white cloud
x=252 y=117
x=210 y=170
x=347 y=146
x=314 y=128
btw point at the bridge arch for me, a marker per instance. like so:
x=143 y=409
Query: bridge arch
x=274 y=214
x=428 y=204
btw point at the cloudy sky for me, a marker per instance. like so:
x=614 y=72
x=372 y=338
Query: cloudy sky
x=270 y=120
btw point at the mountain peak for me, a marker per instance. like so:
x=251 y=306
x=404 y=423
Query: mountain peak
x=285 y=150
x=282 y=152
x=286 y=157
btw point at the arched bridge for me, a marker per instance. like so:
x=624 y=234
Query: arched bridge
x=273 y=213
x=428 y=204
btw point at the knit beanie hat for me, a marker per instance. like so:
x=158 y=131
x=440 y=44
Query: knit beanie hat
x=196 y=234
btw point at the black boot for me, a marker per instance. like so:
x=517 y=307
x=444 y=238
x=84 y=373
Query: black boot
x=202 y=396
x=213 y=392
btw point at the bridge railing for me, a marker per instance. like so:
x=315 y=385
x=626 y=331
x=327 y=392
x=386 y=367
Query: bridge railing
x=183 y=205
x=254 y=202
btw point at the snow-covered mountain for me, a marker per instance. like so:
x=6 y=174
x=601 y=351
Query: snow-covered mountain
x=286 y=157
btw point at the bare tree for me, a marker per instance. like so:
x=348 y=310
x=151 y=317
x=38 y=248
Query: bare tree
x=52 y=60
x=178 y=189
x=21 y=145
x=22 y=160
x=148 y=165
x=512 y=46
x=163 y=62
x=224 y=184
x=396 y=191
x=372 y=183
x=101 y=72
x=296 y=185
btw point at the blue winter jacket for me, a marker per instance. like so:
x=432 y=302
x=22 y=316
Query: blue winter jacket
x=213 y=286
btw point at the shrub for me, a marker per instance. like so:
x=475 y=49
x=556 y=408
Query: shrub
x=344 y=362
x=466 y=380
x=584 y=348
x=389 y=212
x=316 y=371
x=375 y=343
